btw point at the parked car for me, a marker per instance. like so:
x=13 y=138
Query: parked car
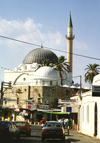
x=9 y=131
x=53 y=129
x=24 y=127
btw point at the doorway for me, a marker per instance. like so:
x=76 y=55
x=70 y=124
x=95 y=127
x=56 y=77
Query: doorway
x=95 y=119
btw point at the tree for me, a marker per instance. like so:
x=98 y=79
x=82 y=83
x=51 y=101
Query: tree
x=92 y=70
x=46 y=62
x=61 y=66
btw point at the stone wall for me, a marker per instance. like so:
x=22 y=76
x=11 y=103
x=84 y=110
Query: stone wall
x=40 y=93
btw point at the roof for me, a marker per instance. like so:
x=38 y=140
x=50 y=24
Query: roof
x=70 y=21
x=21 y=121
x=46 y=72
x=39 y=55
x=55 y=112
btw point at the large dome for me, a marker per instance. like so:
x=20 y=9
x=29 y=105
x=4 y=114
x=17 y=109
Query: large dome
x=39 y=55
x=46 y=73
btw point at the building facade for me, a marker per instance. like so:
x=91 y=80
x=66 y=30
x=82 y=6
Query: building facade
x=89 y=110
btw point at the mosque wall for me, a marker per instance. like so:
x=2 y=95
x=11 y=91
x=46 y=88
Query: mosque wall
x=40 y=93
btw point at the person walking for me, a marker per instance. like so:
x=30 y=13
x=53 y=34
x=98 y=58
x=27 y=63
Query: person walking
x=43 y=122
x=65 y=122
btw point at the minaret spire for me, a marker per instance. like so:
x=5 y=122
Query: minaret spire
x=70 y=38
x=70 y=21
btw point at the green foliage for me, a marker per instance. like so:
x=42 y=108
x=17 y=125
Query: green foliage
x=60 y=66
x=92 y=70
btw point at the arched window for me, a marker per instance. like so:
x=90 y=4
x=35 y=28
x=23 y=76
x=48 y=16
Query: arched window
x=25 y=67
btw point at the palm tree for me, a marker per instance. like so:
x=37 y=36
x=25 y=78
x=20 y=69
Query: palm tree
x=61 y=66
x=92 y=70
x=46 y=62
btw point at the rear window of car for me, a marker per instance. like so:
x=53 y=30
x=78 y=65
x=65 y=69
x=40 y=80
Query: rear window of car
x=20 y=124
x=4 y=124
x=53 y=125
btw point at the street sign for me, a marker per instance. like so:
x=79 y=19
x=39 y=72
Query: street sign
x=68 y=109
x=67 y=101
x=31 y=101
x=8 y=99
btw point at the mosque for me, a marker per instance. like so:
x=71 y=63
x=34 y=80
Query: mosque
x=41 y=84
x=29 y=73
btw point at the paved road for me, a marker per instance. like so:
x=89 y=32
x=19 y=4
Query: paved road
x=74 y=137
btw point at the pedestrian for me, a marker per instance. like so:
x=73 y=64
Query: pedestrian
x=43 y=122
x=65 y=122
x=62 y=121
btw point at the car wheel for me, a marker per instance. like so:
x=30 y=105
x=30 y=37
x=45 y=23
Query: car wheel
x=63 y=139
x=28 y=134
x=11 y=138
x=18 y=137
x=42 y=139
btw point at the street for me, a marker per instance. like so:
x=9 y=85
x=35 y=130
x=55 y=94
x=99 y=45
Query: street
x=36 y=136
x=74 y=137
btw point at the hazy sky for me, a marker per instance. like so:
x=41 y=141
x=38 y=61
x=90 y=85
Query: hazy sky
x=46 y=21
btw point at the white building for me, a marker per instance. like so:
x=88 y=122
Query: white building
x=46 y=76
x=25 y=74
x=89 y=111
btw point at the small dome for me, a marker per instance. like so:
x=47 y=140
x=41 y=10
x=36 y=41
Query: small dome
x=46 y=73
x=39 y=55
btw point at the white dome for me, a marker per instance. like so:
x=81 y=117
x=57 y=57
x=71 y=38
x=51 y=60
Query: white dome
x=46 y=73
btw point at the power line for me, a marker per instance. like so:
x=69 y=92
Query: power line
x=47 y=47
x=19 y=41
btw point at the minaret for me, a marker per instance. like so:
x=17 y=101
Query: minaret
x=70 y=38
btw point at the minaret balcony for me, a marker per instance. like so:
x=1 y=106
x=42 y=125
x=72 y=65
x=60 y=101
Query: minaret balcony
x=70 y=37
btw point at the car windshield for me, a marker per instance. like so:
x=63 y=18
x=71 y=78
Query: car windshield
x=4 y=124
x=53 y=124
x=20 y=124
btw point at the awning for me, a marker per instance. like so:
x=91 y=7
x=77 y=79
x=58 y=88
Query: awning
x=56 y=112
x=24 y=114
x=17 y=110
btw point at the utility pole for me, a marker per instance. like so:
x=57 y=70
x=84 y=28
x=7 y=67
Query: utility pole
x=80 y=86
x=1 y=100
x=79 y=124
x=6 y=85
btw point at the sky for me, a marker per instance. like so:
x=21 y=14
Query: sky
x=45 y=22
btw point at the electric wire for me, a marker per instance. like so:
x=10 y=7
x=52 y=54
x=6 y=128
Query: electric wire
x=47 y=47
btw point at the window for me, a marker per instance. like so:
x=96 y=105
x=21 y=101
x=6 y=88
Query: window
x=57 y=83
x=88 y=113
x=53 y=124
x=39 y=100
x=43 y=82
x=47 y=102
x=5 y=102
x=6 y=114
x=17 y=100
x=24 y=78
x=50 y=82
x=36 y=82
x=67 y=92
x=25 y=67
